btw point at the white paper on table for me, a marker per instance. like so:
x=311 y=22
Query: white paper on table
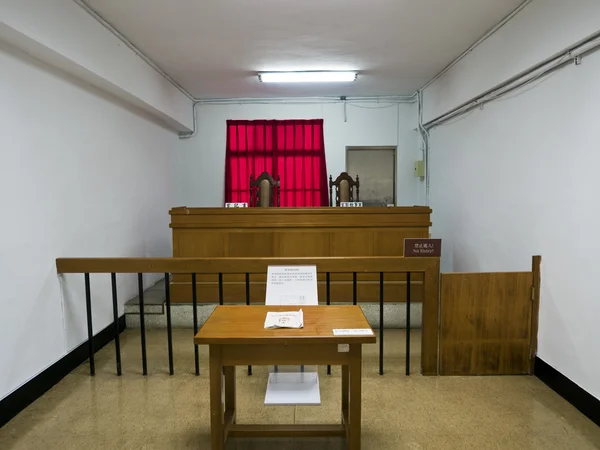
x=291 y=319
x=352 y=332
x=292 y=285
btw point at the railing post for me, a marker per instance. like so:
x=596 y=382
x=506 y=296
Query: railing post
x=407 y=323
x=113 y=282
x=90 y=329
x=169 y=327
x=328 y=298
x=248 y=304
x=381 y=323
x=220 y=288
x=354 y=290
x=142 y=324
x=195 y=313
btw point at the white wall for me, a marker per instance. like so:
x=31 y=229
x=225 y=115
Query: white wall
x=64 y=35
x=80 y=176
x=201 y=161
x=520 y=178
x=540 y=30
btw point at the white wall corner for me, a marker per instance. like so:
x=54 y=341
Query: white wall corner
x=517 y=178
x=62 y=34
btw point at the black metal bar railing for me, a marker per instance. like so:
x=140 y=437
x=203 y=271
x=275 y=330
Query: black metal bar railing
x=169 y=325
x=328 y=288
x=221 y=299
x=220 y=289
x=142 y=324
x=113 y=282
x=381 y=323
x=248 y=304
x=88 y=310
x=195 y=313
x=407 y=323
x=328 y=299
x=354 y=289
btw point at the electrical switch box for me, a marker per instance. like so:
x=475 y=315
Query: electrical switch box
x=419 y=168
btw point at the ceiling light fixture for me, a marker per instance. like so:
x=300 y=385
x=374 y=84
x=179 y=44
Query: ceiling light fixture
x=307 y=77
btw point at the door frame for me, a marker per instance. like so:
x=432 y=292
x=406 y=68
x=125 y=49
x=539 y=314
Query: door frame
x=394 y=148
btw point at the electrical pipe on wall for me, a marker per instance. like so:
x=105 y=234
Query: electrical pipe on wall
x=568 y=56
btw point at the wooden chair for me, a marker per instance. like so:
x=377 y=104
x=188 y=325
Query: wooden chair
x=264 y=190
x=344 y=189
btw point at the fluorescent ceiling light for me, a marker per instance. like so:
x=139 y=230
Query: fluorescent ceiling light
x=307 y=77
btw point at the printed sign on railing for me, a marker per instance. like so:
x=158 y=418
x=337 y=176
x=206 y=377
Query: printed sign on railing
x=422 y=247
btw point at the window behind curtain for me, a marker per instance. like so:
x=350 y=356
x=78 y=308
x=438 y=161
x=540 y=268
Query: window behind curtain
x=292 y=149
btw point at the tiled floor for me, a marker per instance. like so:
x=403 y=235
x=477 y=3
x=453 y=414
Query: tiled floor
x=399 y=412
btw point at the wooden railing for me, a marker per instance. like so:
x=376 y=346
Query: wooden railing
x=428 y=267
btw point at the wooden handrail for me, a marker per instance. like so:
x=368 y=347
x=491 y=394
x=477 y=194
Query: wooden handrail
x=374 y=264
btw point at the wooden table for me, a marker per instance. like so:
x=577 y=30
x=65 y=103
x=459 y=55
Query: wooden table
x=236 y=336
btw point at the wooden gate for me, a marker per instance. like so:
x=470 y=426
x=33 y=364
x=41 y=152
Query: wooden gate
x=489 y=322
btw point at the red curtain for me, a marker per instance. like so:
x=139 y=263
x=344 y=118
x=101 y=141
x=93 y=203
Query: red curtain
x=292 y=149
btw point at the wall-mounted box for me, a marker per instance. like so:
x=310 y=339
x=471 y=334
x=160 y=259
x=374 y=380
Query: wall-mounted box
x=419 y=168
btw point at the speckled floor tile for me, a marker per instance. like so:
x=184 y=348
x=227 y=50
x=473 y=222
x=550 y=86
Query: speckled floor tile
x=399 y=412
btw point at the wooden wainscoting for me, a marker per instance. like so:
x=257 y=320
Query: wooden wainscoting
x=489 y=322
x=292 y=233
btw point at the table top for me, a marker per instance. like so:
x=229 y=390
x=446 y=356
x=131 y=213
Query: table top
x=245 y=325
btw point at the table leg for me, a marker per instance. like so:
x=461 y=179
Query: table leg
x=216 y=391
x=230 y=392
x=354 y=413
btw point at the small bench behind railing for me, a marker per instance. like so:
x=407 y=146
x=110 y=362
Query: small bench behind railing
x=429 y=267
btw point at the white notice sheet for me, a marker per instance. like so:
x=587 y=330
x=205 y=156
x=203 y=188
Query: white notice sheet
x=292 y=285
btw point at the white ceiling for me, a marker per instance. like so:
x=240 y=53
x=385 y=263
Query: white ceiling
x=214 y=48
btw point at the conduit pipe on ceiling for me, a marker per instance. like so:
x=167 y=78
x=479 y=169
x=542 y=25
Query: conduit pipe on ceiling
x=309 y=100
x=392 y=99
x=132 y=47
x=398 y=99
x=483 y=38
x=570 y=55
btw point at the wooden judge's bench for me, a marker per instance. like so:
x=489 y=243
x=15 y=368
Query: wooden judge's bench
x=295 y=232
